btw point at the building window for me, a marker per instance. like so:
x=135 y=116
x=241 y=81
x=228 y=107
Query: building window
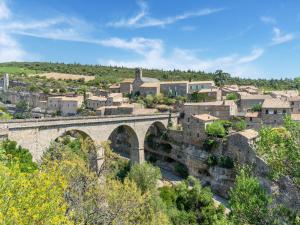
x=267 y=111
x=250 y=118
x=198 y=135
x=188 y=119
x=275 y=111
x=284 y=111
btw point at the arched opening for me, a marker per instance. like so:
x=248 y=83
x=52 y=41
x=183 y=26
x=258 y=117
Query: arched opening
x=79 y=143
x=157 y=148
x=160 y=152
x=124 y=141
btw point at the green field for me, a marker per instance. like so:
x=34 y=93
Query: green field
x=16 y=70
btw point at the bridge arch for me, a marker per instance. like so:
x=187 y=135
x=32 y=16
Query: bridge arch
x=88 y=146
x=155 y=142
x=125 y=141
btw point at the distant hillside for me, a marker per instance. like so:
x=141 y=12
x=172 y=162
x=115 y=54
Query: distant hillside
x=116 y=74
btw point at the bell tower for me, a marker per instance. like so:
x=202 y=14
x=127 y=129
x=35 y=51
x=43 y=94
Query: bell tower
x=138 y=73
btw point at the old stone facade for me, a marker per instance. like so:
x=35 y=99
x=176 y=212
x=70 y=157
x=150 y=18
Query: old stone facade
x=126 y=86
x=194 y=128
x=149 y=89
x=67 y=106
x=199 y=85
x=95 y=102
x=139 y=80
x=246 y=102
x=222 y=109
x=174 y=88
x=274 y=111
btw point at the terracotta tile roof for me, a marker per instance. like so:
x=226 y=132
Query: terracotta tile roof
x=252 y=114
x=205 y=117
x=127 y=81
x=150 y=85
x=202 y=82
x=295 y=117
x=275 y=103
x=253 y=97
x=249 y=133
x=97 y=98
x=208 y=90
x=174 y=82
x=114 y=86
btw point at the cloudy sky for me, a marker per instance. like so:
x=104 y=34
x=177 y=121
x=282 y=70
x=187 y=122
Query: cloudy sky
x=249 y=38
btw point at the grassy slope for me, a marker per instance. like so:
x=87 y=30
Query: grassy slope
x=15 y=69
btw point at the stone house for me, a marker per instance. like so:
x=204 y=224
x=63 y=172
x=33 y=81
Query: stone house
x=295 y=104
x=174 y=88
x=95 y=102
x=149 y=89
x=139 y=80
x=246 y=102
x=115 y=110
x=67 y=106
x=114 y=88
x=229 y=89
x=126 y=86
x=250 y=89
x=116 y=99
x=253 y=120
x=211 y=94
x=100 y=92
x=285 y=95
x=274 y=110
x=13 y=97
x=199 y=85
x=194 y=128
x=222 y=109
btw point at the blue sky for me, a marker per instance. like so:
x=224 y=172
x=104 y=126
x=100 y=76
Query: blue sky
x=249 y=38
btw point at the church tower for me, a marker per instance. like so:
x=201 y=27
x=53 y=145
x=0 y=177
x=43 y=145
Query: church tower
x=5 y=82
x=138 y=74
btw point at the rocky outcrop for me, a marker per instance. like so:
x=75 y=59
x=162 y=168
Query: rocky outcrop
x=284 y=190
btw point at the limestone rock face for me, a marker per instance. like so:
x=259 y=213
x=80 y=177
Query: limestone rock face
x=221 y=180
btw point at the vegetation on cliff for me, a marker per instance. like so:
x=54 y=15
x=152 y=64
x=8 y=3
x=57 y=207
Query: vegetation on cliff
x=281 y=150
x=66 y=189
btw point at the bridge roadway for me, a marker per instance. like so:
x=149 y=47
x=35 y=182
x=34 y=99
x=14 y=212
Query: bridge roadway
x=37 y=134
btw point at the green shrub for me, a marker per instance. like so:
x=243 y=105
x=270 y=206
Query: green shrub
x=210 y=144
x=232 y=96
x=212 y=160
x=240 y=125
x=216 y=129
x=145 y=176
x=256 y=108
x=13 y=154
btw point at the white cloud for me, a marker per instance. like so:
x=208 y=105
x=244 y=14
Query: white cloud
x=268 y=20
x=255 y=54
x=280 y=38
x=10 y=50
x=4 y=11
x=141 y=19
x=153 y=55
x=139 y=45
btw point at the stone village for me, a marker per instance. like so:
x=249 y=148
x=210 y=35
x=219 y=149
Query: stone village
x=172 y=138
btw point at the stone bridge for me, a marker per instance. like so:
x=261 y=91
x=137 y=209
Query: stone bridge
x=37 y=134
